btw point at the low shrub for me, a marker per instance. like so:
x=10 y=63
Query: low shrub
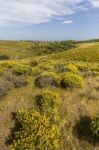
x=71 y=81
x=70 y=68
x=4 y=57
x=2 y=71
x=48 y=79
x=18 y=82
x=55 y=77
x=7 y=64
x=48 y=103
x=44 y=81
x=36 y=132
x=95 y=126
x=95 y=68
x=4 y=88
x=48 y=99
x=35 y=71
x=83 y=67
x=46 y=67
x=61 y=68
x=22 y=70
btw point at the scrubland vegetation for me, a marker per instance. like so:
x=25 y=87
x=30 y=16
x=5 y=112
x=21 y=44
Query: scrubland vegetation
x=49 y=95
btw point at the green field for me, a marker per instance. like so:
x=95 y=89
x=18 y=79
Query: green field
x=68 y=69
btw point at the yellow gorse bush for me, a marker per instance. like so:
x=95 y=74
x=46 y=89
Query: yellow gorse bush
x=48 y=103
x=71 y=81
x=70 y=68
x=36 y=132
x=21 y=69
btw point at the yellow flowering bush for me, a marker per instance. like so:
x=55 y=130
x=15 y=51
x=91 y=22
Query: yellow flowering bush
x=7 y=64
x=70 y=68
x=22 y=70
x=83 y=67
x=71 y=81
x=48 y=98
x=61 y=68
x=35 y=71
x=36 y=132
x=48 y=103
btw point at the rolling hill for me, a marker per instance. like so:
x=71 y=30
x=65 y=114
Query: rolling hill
x=57 y=81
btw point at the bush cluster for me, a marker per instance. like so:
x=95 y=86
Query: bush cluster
x=71 y=81
x=36 y=132
x=95 y=126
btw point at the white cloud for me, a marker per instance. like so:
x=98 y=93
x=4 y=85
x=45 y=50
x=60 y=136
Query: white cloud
x=67 y=22
x=20 y=12
x=34 y=11
x=95 y=3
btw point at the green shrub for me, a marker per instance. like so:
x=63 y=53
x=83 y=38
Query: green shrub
x=95 y=68
x=4 y=57
x=59 y=68
x=7 y=64
x=22 y=70
x=36 y=132
x=83 y=67
x=95 y=126
x=71 y=81
x=36 y=71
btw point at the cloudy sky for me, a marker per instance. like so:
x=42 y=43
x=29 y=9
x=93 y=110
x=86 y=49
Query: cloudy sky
x=49 y=19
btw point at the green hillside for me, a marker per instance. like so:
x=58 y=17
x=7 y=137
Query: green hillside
x=49 y=95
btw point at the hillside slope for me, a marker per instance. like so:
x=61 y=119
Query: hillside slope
x=70 y=78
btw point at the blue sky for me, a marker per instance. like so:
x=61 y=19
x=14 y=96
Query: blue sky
x=49 y=20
